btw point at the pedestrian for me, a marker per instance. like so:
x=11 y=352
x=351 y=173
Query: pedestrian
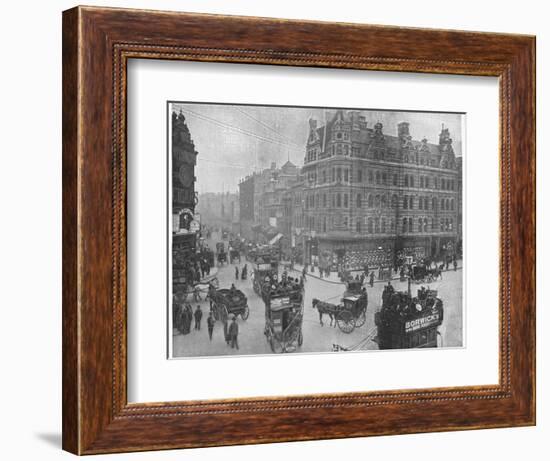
x=226 y=331
x=455 y=264
x=234 y=333
x=236 y=272
x=187 y=317
x=371 y=279
x=304 y=273
x=210 y=323
x=198 y=317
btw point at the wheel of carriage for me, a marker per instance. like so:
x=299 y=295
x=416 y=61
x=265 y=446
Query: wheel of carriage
x=361 y=319
x=245 y=313
x=300 y=338
x=345 y=321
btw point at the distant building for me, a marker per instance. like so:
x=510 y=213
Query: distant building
x=246 y=206
x=219 y=209
x=373 y=198
x=262 y=202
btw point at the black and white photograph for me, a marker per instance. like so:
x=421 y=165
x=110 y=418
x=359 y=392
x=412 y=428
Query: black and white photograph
x=313 y=229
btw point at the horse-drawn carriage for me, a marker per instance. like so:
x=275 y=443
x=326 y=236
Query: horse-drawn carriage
x=284 y=314
x=264 y=272
x=221 y=254
x=234 y=255
x=228 y=301
x=351 y=313
x=406 y=322
x=423 y=272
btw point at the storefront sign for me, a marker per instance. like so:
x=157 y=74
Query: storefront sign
x=422 y=322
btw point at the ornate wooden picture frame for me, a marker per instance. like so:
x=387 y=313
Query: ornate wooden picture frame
x=97 y=44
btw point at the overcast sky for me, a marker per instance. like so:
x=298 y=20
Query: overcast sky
x=233 y=141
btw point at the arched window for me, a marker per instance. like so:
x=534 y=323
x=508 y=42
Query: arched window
x=395 y=180
x=452 y=204
x=324 y=223
x=434 y=203
x=384 y=201
x=420 y=203
x=358 y=225
x=447 y=204
x=345 y=200
x=425 y=224
x=426 y=203
x=376 y=225
x=371 y=177
x=339 y=200
x=410 y=224
x=383 y=226
x=384 y=178
x=441 y=225
x=411 y=181
x=359 y=175
x=377 y=177
x=442 y=204
x=406 y=180
x=369 y=227
x=411 y=202
x=405 y=202
x=422 y=182
x=358 y=204
x=394 y=201
x=404 y=225
x=420 y=224
x=324 y=200
x=377 y=201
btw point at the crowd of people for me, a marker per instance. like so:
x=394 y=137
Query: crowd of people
x=184 y=320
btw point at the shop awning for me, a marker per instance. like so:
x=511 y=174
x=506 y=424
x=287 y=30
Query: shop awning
x=275 y=239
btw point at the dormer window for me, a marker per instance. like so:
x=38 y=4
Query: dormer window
x=339 y=135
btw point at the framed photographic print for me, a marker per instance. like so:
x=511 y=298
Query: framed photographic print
x=282 y=230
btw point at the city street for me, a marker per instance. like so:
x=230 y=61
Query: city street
x=317 y=338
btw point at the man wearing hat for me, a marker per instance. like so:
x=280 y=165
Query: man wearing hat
x=234 y=333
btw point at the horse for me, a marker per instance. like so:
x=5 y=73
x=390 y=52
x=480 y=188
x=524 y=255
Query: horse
x=324 y=308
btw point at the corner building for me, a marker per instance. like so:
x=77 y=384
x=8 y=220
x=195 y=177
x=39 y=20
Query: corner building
x=373 y=198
